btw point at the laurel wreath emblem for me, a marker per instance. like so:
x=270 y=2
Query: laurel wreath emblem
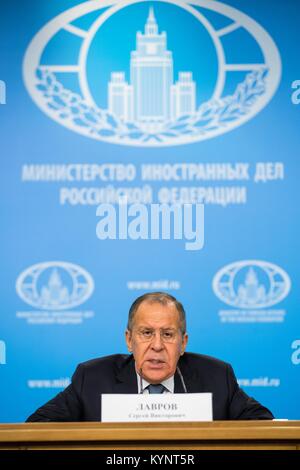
x=99 y=123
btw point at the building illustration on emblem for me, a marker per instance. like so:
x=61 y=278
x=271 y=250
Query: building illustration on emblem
x=154 y=100
x=151 y=98
x=55 y=293
x=251 y=292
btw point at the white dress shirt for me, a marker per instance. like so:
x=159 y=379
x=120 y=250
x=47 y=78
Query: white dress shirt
x=143 y=384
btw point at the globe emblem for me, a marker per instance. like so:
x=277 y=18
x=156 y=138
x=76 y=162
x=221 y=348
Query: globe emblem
x=54 y=285
x=251 y=284
x=152 y=73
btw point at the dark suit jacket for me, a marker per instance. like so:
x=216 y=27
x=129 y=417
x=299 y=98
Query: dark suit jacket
x=80 y=401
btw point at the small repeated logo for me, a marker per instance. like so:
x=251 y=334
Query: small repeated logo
x=169 y=78
x=251 y=284
x=2 y=352
x=295 y=358
x=251 y=287
x=55 y=285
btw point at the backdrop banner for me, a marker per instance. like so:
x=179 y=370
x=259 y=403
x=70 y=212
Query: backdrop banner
x=149 y=146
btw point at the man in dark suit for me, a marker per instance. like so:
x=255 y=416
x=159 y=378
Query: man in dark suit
x=156 y=336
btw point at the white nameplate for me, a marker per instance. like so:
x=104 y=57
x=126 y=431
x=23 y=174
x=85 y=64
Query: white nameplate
x=156 y=407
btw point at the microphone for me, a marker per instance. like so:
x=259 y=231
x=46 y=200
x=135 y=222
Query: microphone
x=178 y=371
x=181 y=378
x=141 y=381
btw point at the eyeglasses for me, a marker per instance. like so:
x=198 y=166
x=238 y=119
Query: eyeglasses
x=146 y=335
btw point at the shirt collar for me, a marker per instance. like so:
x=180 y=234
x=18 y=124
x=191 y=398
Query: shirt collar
x=168 y=384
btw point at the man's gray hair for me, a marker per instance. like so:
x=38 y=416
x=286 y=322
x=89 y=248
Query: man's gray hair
x=161 y=298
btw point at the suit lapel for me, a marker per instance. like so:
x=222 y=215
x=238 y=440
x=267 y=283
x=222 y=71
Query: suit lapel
x=191 y=379
x=126 y=378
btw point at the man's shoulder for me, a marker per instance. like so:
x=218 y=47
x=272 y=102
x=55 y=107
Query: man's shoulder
x=114 y=361
x=202 y=360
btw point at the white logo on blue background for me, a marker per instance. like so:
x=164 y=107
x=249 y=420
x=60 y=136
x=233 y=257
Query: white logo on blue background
x=251 y=284
x=2 y=353
x=152 y=73
x=55 y=285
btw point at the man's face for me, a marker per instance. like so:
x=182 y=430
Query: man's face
x=156 y=340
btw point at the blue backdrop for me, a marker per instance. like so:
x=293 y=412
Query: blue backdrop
x=163 y=102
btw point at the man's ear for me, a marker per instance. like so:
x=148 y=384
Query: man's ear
x=184 y=343
x=128 y=340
